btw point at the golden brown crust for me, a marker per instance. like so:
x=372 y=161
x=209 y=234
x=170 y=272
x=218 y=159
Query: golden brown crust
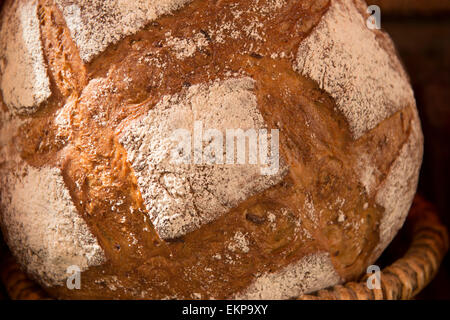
x=405 y=278
x=315 y=141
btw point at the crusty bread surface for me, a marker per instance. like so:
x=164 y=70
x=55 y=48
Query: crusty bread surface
x=91 y=90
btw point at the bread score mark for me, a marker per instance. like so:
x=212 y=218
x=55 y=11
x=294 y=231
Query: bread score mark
x=182 y=196
x=397 y=191
x=95 y=24
x=348 y=61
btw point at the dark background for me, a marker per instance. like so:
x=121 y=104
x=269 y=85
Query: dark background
x=421 y=32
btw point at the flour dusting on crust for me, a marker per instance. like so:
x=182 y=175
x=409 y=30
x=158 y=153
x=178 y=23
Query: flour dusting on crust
x=182 y=197
x=95 y=24
x=43 y=228
x=397 y=191
x=312 y=273
x=348 y=61
x=367 y=173
x=9 y=129
x=24 y=80
x=185 y=48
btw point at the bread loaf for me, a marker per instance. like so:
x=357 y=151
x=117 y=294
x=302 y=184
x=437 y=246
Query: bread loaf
x=99 y=97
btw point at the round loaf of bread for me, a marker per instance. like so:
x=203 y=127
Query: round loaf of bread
x=201 y=149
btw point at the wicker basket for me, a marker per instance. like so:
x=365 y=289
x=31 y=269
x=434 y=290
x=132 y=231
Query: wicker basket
x=402 y=280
